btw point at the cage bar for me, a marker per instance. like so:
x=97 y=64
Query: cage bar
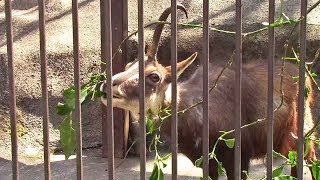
x=75 y=28
x=205 y=61
x=174 y=120
x=106 y=56
x=44 y=88
x=238 y=75
x=301 y=96
x=141 y=91
x=12 y=92
x=270 y=115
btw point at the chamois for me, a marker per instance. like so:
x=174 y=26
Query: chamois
x=221 y=103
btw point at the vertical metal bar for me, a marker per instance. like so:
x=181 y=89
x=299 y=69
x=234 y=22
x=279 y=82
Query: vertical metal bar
x=141 y=91
x=174 y=127
x=124 y=62
x=119 y=19
x=270 y=90
x=75 y=25
x=44 y=88
x=205 y=126
x=238 y=74
x=303 y=27
x=106 y=55
x=13 y=117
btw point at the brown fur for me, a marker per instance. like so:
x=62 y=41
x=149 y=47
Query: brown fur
x=254 y=106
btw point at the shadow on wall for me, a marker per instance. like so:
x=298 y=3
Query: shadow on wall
x=24 y=4
x=33 y=26
x=33 y=105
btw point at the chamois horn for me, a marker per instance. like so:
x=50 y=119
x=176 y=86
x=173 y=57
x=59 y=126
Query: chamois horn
x=153 y=49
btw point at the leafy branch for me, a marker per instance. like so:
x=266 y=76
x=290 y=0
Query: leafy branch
x=89 y=92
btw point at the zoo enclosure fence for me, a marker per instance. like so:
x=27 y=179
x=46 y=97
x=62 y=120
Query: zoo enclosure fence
x=113 y=29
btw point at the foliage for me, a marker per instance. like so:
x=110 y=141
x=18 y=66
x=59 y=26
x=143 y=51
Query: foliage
x=89 y=92
x=154 y=129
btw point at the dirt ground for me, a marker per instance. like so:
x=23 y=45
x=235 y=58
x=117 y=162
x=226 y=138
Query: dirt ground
x=60 y=60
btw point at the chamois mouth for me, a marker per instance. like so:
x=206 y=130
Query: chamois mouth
x=115 y=96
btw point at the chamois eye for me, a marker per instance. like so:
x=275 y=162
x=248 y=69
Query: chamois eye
x=154 y=77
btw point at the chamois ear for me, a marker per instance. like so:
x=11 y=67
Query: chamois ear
x=183 y=65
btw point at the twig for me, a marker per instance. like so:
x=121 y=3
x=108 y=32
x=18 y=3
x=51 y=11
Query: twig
x=125 y=156
x=313 y=7
x=315 y=59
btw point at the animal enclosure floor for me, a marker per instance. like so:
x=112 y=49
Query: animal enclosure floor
x=94 y=168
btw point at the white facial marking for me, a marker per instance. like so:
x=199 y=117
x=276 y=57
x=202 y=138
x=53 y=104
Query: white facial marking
x=168 y=93
x=135 y=76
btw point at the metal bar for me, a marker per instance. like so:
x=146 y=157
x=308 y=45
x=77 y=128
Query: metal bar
x=270 y=90
x=13 y=117
x=119 y=19
x=205 y=126
x=106 y=55
x=75 y=26
x=174 y=121
x=124 y=54
x=44 y=88
x=238 y=74
x=141 y=91
x=303 y=27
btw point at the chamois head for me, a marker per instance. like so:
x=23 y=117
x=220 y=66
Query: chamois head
x=125 y=87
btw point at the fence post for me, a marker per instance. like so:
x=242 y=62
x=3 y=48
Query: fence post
x=119 y=20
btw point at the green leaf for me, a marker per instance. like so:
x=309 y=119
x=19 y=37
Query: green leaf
x=154 y=173
x=292 y=155
x=150 y=125
x=307 y=150
x=67 y=137
x=316 y=169
x=209 y=178
x=277 y=172
x=63 y=109
x=157 y=172
x=313 y=74
x=70 y=95
x=307 y=91
x=284 y=177
x=221 y=170
x=229 y=142
x=198 y=162
x=278 y=22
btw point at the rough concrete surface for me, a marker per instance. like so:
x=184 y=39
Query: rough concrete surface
x=60 y=61
x=127 y=169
